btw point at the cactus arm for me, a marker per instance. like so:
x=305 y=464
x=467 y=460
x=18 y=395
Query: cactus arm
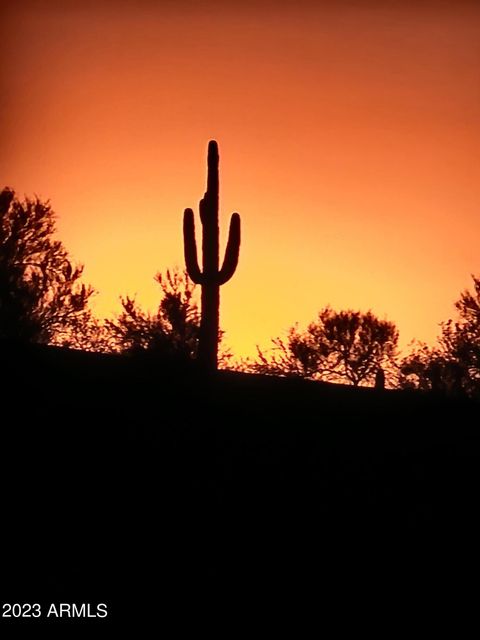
x=203 y=209
x=190 y=248
x=6 y=197
x=230 y=261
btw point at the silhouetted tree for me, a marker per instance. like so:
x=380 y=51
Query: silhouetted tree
x=41 y=298
x=461 y=340
x=453 y=365
x=424 y=368
x=92 y=334
x=173 y=331
x=339 y=346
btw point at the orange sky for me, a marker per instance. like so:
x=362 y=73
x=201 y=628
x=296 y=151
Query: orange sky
x=349 y=140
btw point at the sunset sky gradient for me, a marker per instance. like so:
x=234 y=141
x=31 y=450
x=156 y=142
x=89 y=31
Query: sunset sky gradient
x=349 y=137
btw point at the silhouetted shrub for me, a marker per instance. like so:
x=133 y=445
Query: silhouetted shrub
x=41 y=298
x=453 y=365
x=172 y=330
x=347 y=346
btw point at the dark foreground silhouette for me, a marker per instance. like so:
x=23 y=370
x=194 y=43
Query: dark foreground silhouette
x=231 y=501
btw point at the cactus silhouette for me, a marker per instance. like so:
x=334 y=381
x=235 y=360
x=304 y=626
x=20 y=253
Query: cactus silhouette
x=211 y=278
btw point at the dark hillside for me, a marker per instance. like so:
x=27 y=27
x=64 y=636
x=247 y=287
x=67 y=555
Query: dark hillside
x=160 y=492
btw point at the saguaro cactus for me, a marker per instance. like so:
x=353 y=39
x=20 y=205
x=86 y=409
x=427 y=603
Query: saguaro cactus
x=211 y=278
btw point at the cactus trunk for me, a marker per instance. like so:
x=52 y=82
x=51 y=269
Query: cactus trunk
x=211 y=278
x=210 y=327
